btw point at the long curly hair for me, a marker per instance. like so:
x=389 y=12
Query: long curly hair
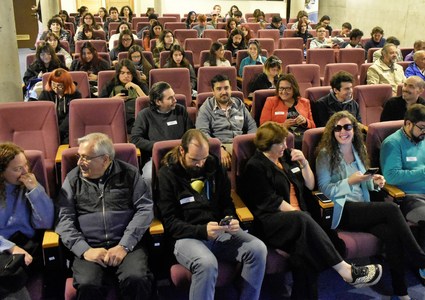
x=331 y=145
x=8 y=151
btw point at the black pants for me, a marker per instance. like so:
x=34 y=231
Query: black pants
x=385 y=221
x=310 y=249
x=135 y=280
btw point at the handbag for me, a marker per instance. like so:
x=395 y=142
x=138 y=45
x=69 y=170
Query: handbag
x=13 y=275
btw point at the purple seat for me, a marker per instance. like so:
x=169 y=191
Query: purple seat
x=248 y=75
x=307 y=75
x=103 y=77
x=371 y=99
x=336 y=32
x=271 y=34
x=404 y=64
x=289 y=56
x=137 y=20
x=320 y=57
x=179 y=79
x=196 y=46
x=354 y=55
x=370 y=54
x=100 y=34
x=289 y=33
x=331 y=69
x=175 y=15
x=205 y=54
x=254 y=27
x=174 y=25
x=266 y=44
x=291 y=42
x=80 y=77
x=363 y=73
x=85 y=117
x=258 y=101
x=315 y=93
x=100 y=45
x=164 y=20
x=214 y=34
x=205 y=74
x=182 y=34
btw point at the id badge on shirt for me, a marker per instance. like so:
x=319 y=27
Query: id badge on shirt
x=171 y=123
x=412 y=158
x=187 y=200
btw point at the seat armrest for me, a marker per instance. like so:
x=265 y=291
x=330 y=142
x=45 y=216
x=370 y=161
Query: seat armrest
x=58 y=158
x=241 y=210
x=239 y=79
x=156 y=227
x=393 y=191
x=248 y=102
x=50 y=239
x=326 y=212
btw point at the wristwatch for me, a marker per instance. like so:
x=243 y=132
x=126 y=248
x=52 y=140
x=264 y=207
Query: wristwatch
x=125 y=248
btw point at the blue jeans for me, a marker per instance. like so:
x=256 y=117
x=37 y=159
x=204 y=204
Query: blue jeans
x=200 y=258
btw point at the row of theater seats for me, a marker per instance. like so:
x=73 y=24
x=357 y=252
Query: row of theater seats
x=29 y=129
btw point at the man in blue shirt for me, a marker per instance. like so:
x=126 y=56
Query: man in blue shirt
x=277 y=24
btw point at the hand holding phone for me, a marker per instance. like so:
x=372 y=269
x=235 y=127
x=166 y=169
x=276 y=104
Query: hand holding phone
x=371 y=171
x=226 y=221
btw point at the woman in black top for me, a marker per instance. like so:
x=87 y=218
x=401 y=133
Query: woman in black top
x=303 y=33
x=191 y=17
x=177 y=60
x=125 y=41
x=267 y=80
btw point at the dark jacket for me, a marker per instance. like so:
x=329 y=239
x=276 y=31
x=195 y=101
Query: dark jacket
x=118 y=210
x=281 y=28
x=326 y=106
x=189 y=219
x=261 y=82
x=395 y=108
x=35 y=68
x=62 y=110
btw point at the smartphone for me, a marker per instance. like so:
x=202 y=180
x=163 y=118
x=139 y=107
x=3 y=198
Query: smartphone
x=322 y=197
x=371 y=171
x=226 y=221
x=125 y=92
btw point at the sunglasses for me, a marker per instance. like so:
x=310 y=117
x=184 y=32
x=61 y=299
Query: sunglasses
x=347 y=127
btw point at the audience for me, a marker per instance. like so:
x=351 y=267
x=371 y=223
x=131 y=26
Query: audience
x=214 y=19
x=123 y=25
x=377 y=40
x=154 y=32
x=87 y=34
x=202 y=25
x=390 y=40
x=354 y=42
x=56 y=27
x=103 y=14
x=53 y=40
x=230 y=13
x=191 y=17
x=277 y=24
x=135 y=54
x=231 y=25
x=152 y=18
x=177 y=60
x=302 y=15
x=303 y=33
x=417 y=67
x=322 y=42
x=260 y=17
x=325 y=21
x=115 y=18
x=88 y=19
x=125 y=41
x=247 y=32
x=81 y=11
x=345 y=30
x=216 y=56
x=268 y=79
x=254 y=56
x=418 y=45
x=164 y=43
x=126 y=12
x=238 y=17
x=235 y=43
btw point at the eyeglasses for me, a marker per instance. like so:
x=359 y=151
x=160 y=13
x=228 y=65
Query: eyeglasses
x=321 y=31
x=57 y=86
x=126 y=40
x=288 y=89
x=135 y=56
x=347 y=127
x=422 y=129
x=86 y=159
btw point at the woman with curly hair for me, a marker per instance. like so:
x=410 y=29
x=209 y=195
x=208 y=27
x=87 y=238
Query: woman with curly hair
x=341 y=167
x=55 y=25
x=231 y=25
x=154 y=32
x=216 y=56
x=260 y=17
x=246 y=32
x=127 y=12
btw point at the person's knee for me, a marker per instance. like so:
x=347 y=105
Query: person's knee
x=138 y=281
x=258 y=249
x=207 y=265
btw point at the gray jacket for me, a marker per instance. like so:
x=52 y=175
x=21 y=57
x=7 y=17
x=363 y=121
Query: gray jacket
x=214 y=123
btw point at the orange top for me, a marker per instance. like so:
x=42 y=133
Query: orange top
x=293 y=200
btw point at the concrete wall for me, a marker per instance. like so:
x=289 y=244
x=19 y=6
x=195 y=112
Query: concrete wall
x=398 y=18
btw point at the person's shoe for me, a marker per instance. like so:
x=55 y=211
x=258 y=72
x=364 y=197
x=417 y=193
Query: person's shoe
x=365 y=276
x=32 y=48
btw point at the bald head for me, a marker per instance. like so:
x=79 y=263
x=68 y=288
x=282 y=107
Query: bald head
x=419 y=58
x=413 y=88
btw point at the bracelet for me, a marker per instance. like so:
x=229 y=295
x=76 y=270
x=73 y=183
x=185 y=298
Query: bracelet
x=303 y=167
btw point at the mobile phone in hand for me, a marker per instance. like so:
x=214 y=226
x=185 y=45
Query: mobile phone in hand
x=125 y=92
x=371 y=171
x=226 y=221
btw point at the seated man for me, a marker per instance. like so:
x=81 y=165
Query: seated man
x=396 y=107
x=321 y=41
x=345 y=30
x=417 y=67
x=403 y=163
x=152 y=18
x=354 y=42
x=238 y=16
x=115 y=17
x=224 y=117
x=104 y=211
x=392 y=39
x=385 y=70
x=202 y=19
x=340 y=98
x=377 y=40
x=277 y=24
x=418 y=45
x=163 y=120
x=235 y=43
x=193 y=198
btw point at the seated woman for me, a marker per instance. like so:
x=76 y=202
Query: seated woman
x=154 y=32
x=135 y=54
x=88 y=19
x=81 y=11
x=164 y=43
x=125 y=41
x=268 y=79
x=123 y=25
x=103 y=14
x=289 y=108
x=55 y=25
x=53 y=40
x=61 y=90
x=246 y=31
x=45 y=61
x=90 y=62
x=191 y=17
x=127 y=12
x=177 y=60
x=277 y=185
x=230 y=13
x=341 y=165
x=302 y=15
x=260 y=17
x=254 y=56
x=216 y=56
x=126 y=78
x=87 y=34
x=24 y=208
x=303 y=33
x=231 y=25
x=65 y=17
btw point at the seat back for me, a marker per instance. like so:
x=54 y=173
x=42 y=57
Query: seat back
x=266 y=43
x=167 y=19
x=336 y=32
x=270 y=33
x=363 y=73
x=307 y=75
x=353 y=55
x=248 y=75
x=143 y=102
x=201 y=97
x=289 y=56
x=80 y=77
x=137 y=20
x=179 y=79
x=289 y=33
x=38 y=168
x=315 y=93
x=320 y=57
x=139 y=27
x=370 y=54
x=241 y=54
x=196 y=46
x=103 y=77
x=103 y=55
x=376 y=134
x=100 y=34
x=258 y=101
x=364 y=40
x=100 y=45
x=404 y=64
x=331 y=69
x=405 y=51
x=175 y=15
x=214 y=34
x=123 y=151
x=311 y=140
x=205 y=74
x=182 y=34
x=70 y=27
x=371 y=99
x=291 y=42
x=106 y=115
x=254 y=27
x=174 y=25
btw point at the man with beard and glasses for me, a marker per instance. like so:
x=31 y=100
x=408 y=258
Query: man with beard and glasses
x=193 y=199
x=235 y=43
x=224 y=117
x=385 y=70
x=396 y=107
x=403 y=165
x=164 y=120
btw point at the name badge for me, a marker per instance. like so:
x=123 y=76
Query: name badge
x=187 y=200
x=385 y=74
x=238 y=117
x=295 y=170
x=279 y=113
x=172 y=123
x=411 y=159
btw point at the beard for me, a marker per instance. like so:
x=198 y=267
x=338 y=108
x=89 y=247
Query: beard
x=193 y=171
x=417 y=139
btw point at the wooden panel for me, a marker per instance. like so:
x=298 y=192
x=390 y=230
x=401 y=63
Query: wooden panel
x=26 y=32
x=93 y=5
x=120 y=3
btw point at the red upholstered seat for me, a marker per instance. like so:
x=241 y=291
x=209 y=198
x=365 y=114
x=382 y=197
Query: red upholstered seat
x=291 y=43
x=196 y=46
x=307 y=75
x=289 y=56
x=353 y=55
x=179 y=79
x=182 y=34
x=80 y=77
x=174 y=25
x=271 y=34
x=100 y=45
x=320 y=57
x=205 y=74
x=331 y=69
x=214 y=34
x=258 y=101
